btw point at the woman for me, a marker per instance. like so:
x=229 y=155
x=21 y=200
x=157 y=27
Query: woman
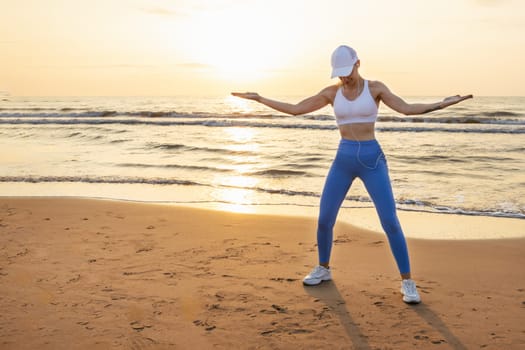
x=355 y=102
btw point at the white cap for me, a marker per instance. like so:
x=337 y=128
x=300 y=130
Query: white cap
x=343 y=61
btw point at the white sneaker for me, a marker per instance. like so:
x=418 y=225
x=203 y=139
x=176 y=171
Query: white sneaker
x=318 y=275
x=409 y=291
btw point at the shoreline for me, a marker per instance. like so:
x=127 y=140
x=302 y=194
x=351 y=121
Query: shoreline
x=105 y=274
x=451 y=226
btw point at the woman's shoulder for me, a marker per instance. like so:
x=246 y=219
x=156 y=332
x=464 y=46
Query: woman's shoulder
x=330 y=91
x=332 y=88
x=376 y=84
x=376 y=87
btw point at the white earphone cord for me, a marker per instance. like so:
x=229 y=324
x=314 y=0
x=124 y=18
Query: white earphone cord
x=359 y=150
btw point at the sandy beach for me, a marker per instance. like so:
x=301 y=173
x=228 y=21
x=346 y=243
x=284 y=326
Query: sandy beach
x=101 y=274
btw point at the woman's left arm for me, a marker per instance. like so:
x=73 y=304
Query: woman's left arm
x=395 y=102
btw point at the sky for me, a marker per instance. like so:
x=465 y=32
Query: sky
x=275 y=47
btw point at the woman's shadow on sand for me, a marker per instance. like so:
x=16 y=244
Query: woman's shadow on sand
x=329 y=294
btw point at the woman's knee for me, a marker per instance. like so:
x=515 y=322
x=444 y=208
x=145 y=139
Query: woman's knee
x=325 y=223
x=391 y=225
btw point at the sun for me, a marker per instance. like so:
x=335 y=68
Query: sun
x=234 y=43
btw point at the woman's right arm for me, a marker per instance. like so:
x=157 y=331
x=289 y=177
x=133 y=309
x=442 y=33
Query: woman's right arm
x=308 y=105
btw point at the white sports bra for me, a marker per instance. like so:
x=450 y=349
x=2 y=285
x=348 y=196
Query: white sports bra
x=361 y=110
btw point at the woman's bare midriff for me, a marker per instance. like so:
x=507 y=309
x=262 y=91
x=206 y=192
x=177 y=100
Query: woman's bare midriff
x=358 y=131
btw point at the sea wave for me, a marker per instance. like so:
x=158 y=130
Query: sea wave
x=173 y=166
x=494 y=129
x=182 y=147
x=98 y=180
x=279 y=173
x=37 y=113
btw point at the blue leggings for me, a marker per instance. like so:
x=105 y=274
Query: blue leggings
x=365 y=160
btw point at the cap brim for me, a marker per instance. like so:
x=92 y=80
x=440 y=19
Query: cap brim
x=342 y=71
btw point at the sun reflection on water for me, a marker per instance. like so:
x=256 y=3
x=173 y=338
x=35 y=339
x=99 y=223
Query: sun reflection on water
x=236 y=192
x=241 y=135
x=238 y=105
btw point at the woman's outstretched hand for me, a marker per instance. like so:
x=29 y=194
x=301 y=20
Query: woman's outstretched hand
x=247 y=95
x=452 y=100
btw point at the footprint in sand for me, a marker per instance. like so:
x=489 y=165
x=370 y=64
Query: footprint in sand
x=280 y=309
x=144 y=249
x=282 y=279
x=207 y=326
x=139 y=343
x=139 y=326
x=420 y=337
x=114 y=215
x=342 y=239
x=74 y=279
x=287 y=330
x=424 y=288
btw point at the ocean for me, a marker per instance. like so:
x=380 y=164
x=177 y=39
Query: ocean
x=238 y=155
